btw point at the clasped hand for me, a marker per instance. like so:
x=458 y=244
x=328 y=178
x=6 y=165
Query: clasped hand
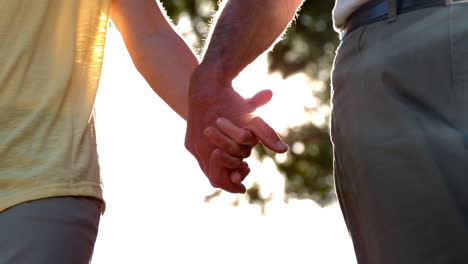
x=222 y=130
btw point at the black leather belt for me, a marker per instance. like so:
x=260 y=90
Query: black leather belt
x=377 y=10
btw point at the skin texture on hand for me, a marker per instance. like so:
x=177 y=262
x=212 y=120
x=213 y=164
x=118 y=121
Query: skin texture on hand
x=209 y=99
x=228 y=137
x=233 y=140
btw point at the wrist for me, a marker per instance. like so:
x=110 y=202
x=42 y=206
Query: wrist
x=217 y=69
x=208 y=79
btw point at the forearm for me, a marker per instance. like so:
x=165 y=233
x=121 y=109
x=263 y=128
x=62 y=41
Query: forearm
x=158 y=52
x=166 y=62
x=244 y=30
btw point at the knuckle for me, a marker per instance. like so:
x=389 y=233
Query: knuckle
x=234 y=149
x=245 y=137
x=233 y=162
x=230 y=161
x=256 y=119
x=217 y=154
x=228 y=147
x=207 y=131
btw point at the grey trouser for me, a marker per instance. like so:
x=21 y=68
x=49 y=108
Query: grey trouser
x=400 y=135
x=58 y=230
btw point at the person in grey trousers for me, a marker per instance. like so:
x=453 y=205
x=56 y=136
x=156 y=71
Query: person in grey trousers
x=400 y=130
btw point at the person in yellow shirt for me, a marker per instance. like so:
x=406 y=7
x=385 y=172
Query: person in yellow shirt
x=51 y=53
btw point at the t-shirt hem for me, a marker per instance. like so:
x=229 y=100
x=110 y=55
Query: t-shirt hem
x=83 y=189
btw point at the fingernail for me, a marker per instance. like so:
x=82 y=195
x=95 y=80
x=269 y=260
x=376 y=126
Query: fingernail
x=237 y=179
x=220 y=121
x=281 y=145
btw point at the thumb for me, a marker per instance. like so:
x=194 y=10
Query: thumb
x=261 y=98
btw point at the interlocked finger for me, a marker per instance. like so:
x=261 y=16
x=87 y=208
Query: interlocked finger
x=226 y=144
x=229 y=161
x=239 y=135
x=239 y=175
x=220 y=176
x=266 y=135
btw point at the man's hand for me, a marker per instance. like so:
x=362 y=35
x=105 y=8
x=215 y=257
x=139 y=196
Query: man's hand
x=244 y=30
x=209 y=99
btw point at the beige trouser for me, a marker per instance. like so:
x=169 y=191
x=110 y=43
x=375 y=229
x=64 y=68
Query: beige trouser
x=58 y=230
x=400 y=135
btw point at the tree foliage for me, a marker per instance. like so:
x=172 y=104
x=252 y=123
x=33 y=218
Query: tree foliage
x=307 y=48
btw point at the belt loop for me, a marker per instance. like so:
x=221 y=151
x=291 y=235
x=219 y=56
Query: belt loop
x=392 y=10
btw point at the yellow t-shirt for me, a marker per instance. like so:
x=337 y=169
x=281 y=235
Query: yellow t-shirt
x=50 y=54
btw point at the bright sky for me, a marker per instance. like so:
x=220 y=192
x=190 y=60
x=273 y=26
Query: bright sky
x=155 y=191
